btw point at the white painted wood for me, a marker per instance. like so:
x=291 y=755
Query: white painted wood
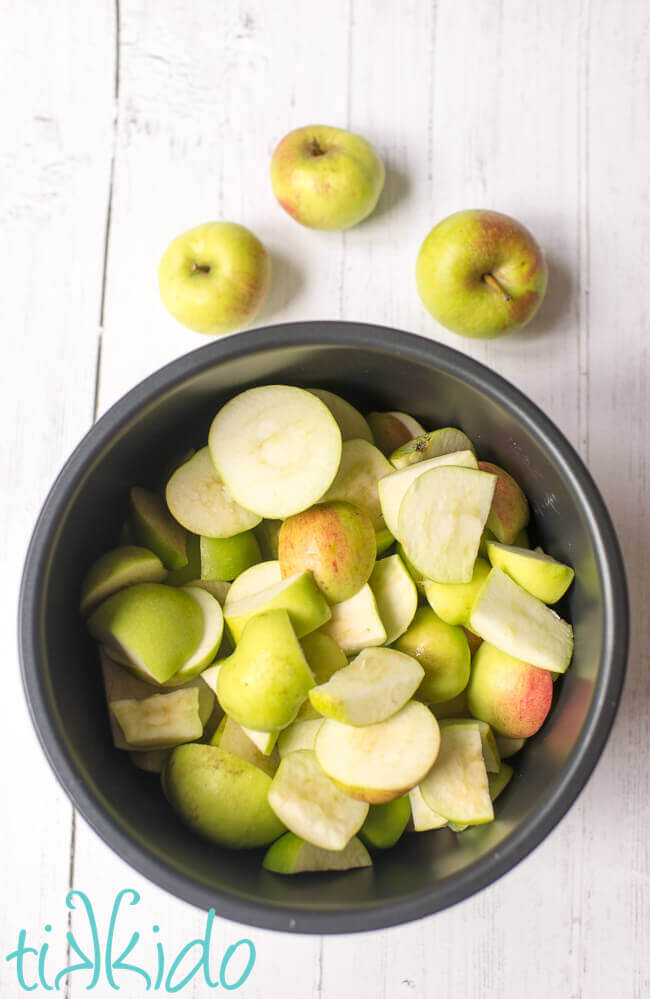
x=539 y=110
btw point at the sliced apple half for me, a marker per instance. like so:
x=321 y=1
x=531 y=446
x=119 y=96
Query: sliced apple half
x=117 y=569
x=236 y=740
x=447 y=440
x=441 y=519
x=199 y=500
x=292 y=855
x=310 y=804
x=161 y=720
x=499 y=781
x=265 y=741
x=393 y=488
x=378 y=763
x=370 y=689
x=277 y=448
x=301 y=734
x=298 y=594
x=457 y=784
x=423 y=817
x=259 y=577
x=351 y=423
x=538 y=573
x=355 y=623
x=152 y=526
x=210 y=640
x=396 y=595
x=513 y=620
x=488 y=741
x=362 y=466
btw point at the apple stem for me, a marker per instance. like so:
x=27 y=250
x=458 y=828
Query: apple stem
x=200 y=268
x=494 y=284
x=316 y=148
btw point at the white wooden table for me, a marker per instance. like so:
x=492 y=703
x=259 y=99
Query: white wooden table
x=124 y=124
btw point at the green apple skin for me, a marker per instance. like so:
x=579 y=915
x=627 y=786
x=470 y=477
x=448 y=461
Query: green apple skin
x=326 y=178
x=460 y=253
x=453 y=601
x=215 y=278
x=385 y=823
x=510 y=695
x=116 y=569
x=292 y=855
x=154 y=527
x=384 y=540
x=510 y=512
x=442 y=651
x=324 y=657
x=334 y=541
x=221 y=797
x=225 y=558
x=184 y=575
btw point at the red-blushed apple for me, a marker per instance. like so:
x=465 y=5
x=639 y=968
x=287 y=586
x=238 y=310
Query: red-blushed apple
x=509 y=512
x=326 y=178
x=510 y=695
x=481 y=274
x=391 y=430
x=215 y=278
x=334 y=541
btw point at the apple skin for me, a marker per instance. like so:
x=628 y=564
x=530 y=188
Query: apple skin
x=334 y=541
x=509 y=513
x=443 y=652
x=390 y=431
x=232 y=290
x=326 y=178
x=455 y=258
x=510 y=695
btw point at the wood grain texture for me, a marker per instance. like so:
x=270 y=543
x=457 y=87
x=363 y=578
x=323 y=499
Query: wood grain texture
x=537 y=110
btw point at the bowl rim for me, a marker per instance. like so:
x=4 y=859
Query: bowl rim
x=607 y=691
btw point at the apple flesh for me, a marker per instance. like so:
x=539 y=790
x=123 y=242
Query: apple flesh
x=442 y=652
x=334 y=541
x=161 y=720
x=350 y=421
x=200 y=501
x=292 y=855
x=326 y=178
x=457 y=784
x=538 y=573
x=298 y=594
x=232 y=738
x=355 y=623
x=446 y=440
x=117 y=569
x=422 y=816
x=510 y=695
x=251 y=581
x=509 y=513
x=324 y=657
x=301 y=734
x=396 y=595
x=215 y=278
x=362 y=466
x=393 y=429
x=393 y=488
x=374 y=686
x=481 y=274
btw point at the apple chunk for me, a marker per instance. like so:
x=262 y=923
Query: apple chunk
x=392 y=429
x=210 y=640
x=423 y=817
x=447 y=440
x=538 y=573
x=199 y=500
x=224 y=559
x=351 y=423
x=299 y=595
x=160 y=721
x=259 y=577
x=301 y=734
x=152 y=526
x=396 y=595
x=377 y=763
x=355 y=623
x=234 y=739
x=453 y=602
x=310 y=804
x=457 y=784
x=292 y=855
x=510 y=512
x=116 y=569
x=370 y=689
x=362 y=466
x=393 y=488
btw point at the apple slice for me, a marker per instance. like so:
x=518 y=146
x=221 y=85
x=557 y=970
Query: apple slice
x=215 y=587
x=516 y=622
x=236 y=740
x=423 y=817
x=226 y=558
x=265 y=741
x=488 y=741
x=210 y=641
x=393 y=488
x=301 y=734
x=538 y=573
x=499 y=781
x=453 y=602
x=457 y=784
x=385 y=824
x=199 y=500
x=152 y=527
x=374 y=686
x=259 y=577
x=378 y=763
x=161 y=720
x=508 y=747
x=153 y=761
x=298 y=594
x=441 y=519
x=362 y=466
x=392 y=429
x=310 y=804
x=292 y=855
x=182 y=576
x=277 y=447
x=396 y=595
x=350 y=422
x=355 y=623
x=325 y=657
x=414 y=573
x=447 y=440
x=510 y=512
x=117 y=569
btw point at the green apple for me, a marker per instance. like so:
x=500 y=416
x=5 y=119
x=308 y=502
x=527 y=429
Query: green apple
x=441 y=519
x=384 y=540
x=161 y=720
x=396 y=595
x=116 y=569
x=251 y=581
x=215 y=277
x=538 y=573
x=154 y=528
x=481 y=274
x=453 y=601
x=234 y=739
x=513 y=620
x=292 y=855
x=325 y=177
x=149 y=627
x=298 y=594
x=385 y=824
x=226 y=558
x=355 y=623
x=210 y=639
x=310 y=804
x=457 y=784
x=374 y=686
x=301 y=734
x=362 y=466
x=423 y=817
x=509 y=513
x=443 y=653
x=268 y=533
x=393 y=488
x=221 y=797
x=266 y=679
x=391 y=430
x=377 y=763
x=334 y=541
x=277 y=448
x=499 y=781
x=447 y=440
x=510 y=695
x=199 y=500
x=350 y=421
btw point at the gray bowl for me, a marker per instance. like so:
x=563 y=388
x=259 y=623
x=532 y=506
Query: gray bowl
x=376 y=368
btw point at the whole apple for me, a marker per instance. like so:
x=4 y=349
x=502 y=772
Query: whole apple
x=481 y=274
x=326 y=178
x=215 y=278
